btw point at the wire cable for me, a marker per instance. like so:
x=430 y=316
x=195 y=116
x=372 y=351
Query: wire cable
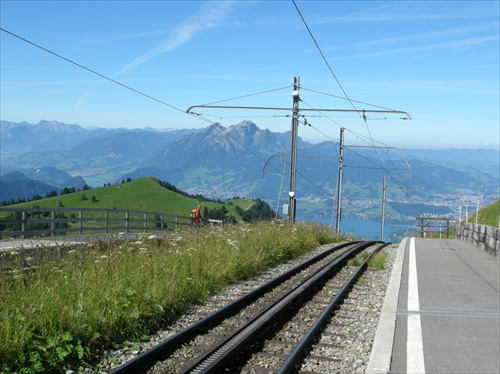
x=336 y=79
x=96 y=73
x=343 y=98
x=321 y=53
x=378 y=165
x=249 y=95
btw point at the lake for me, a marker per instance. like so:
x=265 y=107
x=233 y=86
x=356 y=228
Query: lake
x=368 y=229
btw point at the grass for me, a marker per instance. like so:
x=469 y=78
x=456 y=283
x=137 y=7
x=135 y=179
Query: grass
x=489 y=216
x=377 y=261
x=143 y=194
x=82 y=300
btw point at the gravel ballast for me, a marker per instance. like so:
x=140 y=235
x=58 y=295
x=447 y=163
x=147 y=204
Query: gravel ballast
x=349 y=355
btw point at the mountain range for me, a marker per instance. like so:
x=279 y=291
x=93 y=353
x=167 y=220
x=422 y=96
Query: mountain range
x=244 y=160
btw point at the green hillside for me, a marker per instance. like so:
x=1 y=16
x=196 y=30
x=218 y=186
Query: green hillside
x=144 y=194
x=489 y=216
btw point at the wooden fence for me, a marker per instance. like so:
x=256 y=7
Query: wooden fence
x=432 y=226
x=28 y=222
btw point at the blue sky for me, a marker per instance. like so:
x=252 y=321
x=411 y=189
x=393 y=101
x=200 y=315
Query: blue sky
x=438 y=61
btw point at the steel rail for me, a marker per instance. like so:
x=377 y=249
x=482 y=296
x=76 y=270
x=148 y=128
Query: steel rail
x=161 y=351
x=219 y=356
x=295 y=358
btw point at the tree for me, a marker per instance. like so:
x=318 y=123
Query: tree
x=259 y=211
x=52 y=193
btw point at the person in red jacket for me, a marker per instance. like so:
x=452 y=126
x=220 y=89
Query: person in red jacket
x=197 y=216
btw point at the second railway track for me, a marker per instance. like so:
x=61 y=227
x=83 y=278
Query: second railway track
x=270 y=329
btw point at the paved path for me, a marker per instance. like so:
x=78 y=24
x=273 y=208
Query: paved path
x=442 y=311
x=9 y=244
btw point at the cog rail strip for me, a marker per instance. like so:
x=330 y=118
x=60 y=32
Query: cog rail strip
x=227 y=350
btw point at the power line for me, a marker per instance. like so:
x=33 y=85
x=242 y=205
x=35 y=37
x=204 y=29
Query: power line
x=219 y=126
x=345 y=93
x=249 y=95
x=336 y=79
x=343 y=98
x=380 y=162
x=322 y=55
x=178 y=109
x=96 y=73
x=132 y=89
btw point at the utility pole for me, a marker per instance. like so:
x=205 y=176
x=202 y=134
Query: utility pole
x=383 y=210
x=339 y=179
x=293 y=155
x=293 y=158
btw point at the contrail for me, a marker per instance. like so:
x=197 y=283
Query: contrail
x=208 y=16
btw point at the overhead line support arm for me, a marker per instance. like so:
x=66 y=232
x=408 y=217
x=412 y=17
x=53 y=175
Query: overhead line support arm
x=302 y=110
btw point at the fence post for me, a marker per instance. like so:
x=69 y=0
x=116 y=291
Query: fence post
x=145 y=222
x=176 y=223
x=52 y=223
x=106 y=223
x=127 y=217
x=24 y=221
x=80 y=224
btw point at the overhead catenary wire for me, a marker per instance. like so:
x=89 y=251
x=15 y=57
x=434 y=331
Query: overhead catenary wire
x=322 y=55
x=378 y=165
x=343 y=98
x=346 y=146
x=199 y=116
x=93 y=71
x=248 y=95
x=344 y=92
x=403 y=189
x=196 y=115
x=128 y=87
x=337 y=80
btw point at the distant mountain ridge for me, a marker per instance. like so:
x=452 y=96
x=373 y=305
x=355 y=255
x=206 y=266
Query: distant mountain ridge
x=244 y=160
x=16 y=185
x=24 y=137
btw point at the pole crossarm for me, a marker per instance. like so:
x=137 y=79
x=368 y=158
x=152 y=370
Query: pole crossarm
x=302 y=110
x=294 y=130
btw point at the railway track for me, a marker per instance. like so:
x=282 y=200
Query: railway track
x=270 y=329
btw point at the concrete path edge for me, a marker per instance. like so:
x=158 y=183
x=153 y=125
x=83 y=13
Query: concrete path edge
x=381 y=354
